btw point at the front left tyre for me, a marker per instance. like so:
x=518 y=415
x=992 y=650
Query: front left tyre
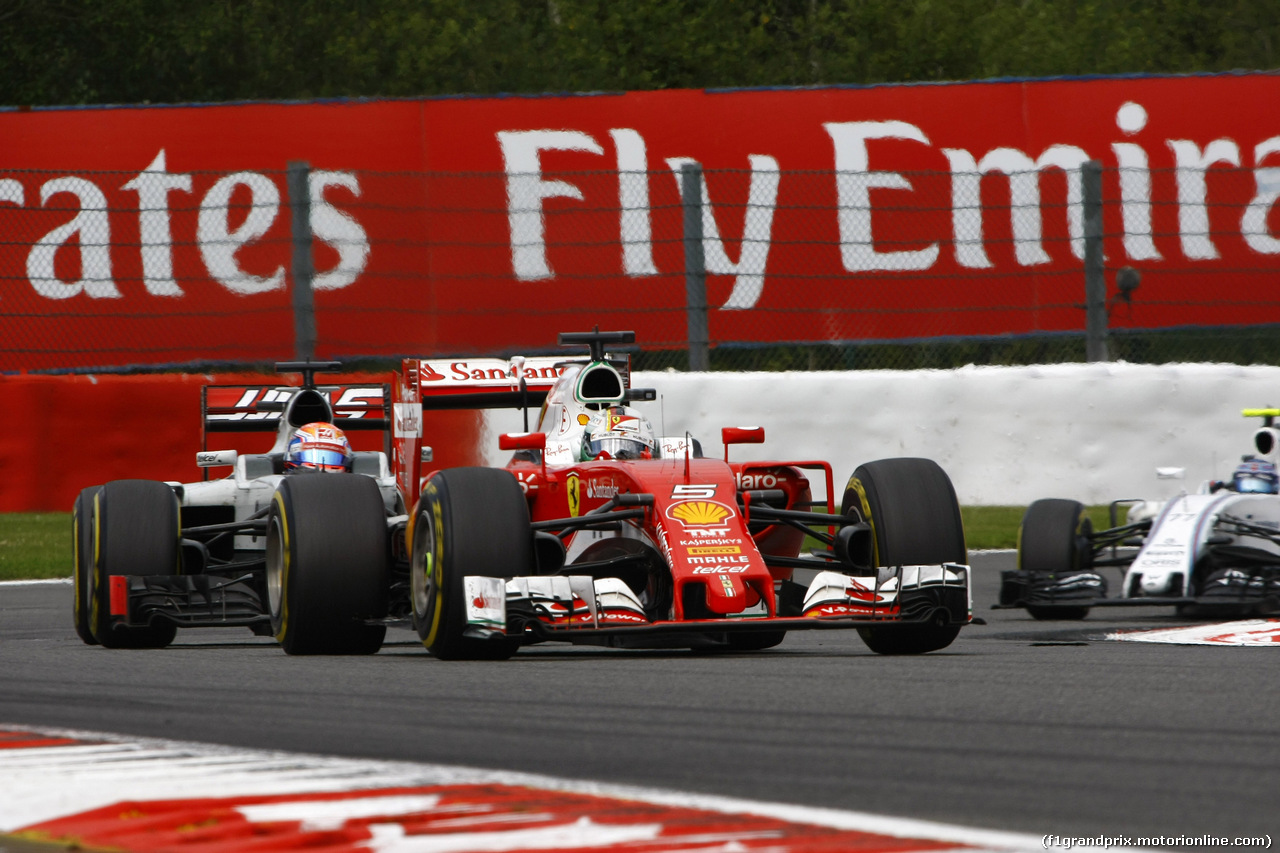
x=135 y=531
x=914 y=516
x=471 y=521
x=328 y=563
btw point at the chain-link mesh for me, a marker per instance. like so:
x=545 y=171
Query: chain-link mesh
x=805 y=270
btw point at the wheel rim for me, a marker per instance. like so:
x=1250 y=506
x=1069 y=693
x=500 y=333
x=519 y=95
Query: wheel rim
x=77 y=564
x=91 y=593
x=91 y=581
x=422 y=587
x=275 y=568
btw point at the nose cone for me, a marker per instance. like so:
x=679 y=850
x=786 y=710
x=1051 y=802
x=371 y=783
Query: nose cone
x=727 y=594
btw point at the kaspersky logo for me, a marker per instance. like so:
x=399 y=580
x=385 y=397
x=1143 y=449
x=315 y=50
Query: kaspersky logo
x=701 y=518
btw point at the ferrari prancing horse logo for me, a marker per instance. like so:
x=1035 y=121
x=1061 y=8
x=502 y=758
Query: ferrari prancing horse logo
x=574 y=494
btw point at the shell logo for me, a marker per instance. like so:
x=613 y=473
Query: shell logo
x=700 y=513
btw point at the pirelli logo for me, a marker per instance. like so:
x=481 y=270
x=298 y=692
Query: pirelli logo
x=711 y=550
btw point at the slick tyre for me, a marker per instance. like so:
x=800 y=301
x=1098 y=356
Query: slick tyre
x=471 y=521
x=328 y=565
x=908 y=639
x=82 y=562
x=1054 y=538
x=135 y=531
x=914 y=516
x=912 y=509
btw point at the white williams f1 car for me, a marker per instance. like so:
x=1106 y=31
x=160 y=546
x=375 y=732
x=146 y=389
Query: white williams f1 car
x=1212 y=553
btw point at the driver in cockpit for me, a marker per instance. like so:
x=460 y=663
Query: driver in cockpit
x=618 y=432
x=1252 y=476
x=320 y=447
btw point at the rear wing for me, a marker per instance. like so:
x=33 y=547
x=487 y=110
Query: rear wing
x=436 y=384
x=258 y=408
x=483 y=383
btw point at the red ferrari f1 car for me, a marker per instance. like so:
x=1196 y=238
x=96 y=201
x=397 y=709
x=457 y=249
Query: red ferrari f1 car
x=598 y=532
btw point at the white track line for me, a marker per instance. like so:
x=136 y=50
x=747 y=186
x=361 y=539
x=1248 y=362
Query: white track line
x=43 y=783
x=1263 y=633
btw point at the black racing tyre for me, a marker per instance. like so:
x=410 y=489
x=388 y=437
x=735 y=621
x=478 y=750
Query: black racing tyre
x=914 y=516
x=908 y=639
x=912 y=509
x=328 y=564
x=471 y=521
x=135 y=531
x=1054 y=538
x=82 y=562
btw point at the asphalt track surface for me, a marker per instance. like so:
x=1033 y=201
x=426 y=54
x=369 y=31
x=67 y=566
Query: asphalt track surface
x=1037 y=727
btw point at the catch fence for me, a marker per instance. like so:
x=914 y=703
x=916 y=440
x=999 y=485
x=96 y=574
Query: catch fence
x=1005 y=260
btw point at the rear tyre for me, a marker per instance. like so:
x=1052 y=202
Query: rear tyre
x=914 y=516
x=471 y=521
x=1054 y=539
x=135 y=531
x=82 y=562
x=327 y=565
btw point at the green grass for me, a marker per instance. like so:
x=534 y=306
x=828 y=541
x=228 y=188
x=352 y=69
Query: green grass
x=989 y=527
x=35 y=545
x=38 y=544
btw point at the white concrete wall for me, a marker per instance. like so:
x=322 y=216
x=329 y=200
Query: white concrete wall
x=1006 y=435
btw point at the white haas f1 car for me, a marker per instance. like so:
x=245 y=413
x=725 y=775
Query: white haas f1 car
x=668 y=549
x=1213 y=553
x=308 y=558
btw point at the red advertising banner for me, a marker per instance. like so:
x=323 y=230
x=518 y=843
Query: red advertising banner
x=160 y=235
x=76 y=431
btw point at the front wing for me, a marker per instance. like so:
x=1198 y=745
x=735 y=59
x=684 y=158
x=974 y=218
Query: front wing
x=188 y=601
x=1048 y=591
x=578 y=608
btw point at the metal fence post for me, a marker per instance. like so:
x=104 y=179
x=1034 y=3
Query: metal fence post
x=695 y=267
x=304 y=311
x=1095 y=281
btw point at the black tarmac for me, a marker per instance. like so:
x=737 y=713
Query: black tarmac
x=1037 y=727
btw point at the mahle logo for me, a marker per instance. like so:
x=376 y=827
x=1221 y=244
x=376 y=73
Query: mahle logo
x=701 y=518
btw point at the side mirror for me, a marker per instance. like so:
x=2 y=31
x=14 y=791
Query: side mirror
x=522 y=441
x=214 y=458
x=740 y=435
